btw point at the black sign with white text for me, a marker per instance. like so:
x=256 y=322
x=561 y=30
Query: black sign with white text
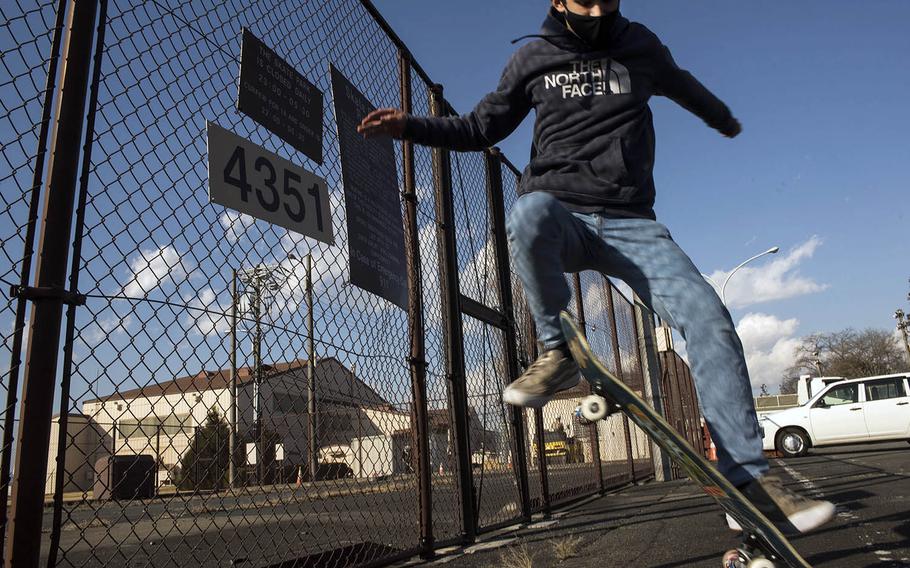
x=371 y=195
x=276 y=96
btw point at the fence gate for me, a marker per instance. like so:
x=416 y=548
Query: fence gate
x=200 y=386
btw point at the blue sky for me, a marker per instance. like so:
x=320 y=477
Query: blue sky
x=819 y=87
x=820 y=169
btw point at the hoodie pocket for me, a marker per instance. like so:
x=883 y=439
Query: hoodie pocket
x=609 y=165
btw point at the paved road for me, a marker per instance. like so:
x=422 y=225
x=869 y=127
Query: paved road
x=262 y=528
x=674 y=525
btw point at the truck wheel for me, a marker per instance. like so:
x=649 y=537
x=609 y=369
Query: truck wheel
x=792 y=443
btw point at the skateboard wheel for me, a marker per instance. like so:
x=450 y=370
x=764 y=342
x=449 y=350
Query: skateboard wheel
x=594 y=408
x=760 y=563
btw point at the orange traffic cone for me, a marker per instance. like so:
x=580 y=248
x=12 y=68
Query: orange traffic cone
x=299 y=476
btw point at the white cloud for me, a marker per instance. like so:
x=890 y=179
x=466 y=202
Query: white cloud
x=152 y=268
x=770 y=346
x=207 y=315
x=775 y=280
x=235 y=224
x=107 y=328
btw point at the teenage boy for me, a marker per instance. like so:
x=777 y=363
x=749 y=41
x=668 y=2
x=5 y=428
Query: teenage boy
x=586 y=203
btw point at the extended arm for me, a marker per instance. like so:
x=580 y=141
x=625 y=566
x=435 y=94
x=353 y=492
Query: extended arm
x=495 y=117
x=680 y=86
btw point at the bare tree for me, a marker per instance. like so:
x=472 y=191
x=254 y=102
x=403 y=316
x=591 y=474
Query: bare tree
x=788 y=385
x=850 y=354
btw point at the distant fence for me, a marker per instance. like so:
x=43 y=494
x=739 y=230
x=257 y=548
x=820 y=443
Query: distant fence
x=217 y=391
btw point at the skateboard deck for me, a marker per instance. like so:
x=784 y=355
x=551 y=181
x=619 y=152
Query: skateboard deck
x=760 y=537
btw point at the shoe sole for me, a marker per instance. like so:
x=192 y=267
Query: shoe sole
x=803 y=521
x=516 y=397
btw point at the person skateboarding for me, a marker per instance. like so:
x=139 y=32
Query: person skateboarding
x=586 y=203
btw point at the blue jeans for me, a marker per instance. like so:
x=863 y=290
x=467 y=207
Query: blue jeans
x=547 y=240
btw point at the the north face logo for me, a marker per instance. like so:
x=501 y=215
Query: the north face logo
x=591 y=78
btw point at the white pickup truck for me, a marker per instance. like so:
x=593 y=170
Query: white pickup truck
x=871 y=409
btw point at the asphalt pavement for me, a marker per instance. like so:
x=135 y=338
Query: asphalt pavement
x=674 y=524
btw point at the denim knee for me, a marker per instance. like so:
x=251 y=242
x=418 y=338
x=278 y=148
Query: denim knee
x=531 y=215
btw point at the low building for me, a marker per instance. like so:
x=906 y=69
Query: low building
x=161 y=419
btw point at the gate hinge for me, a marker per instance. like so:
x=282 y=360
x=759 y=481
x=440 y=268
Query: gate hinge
x=34 y=294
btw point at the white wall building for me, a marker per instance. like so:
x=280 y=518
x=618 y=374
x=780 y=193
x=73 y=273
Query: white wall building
x=160 y=419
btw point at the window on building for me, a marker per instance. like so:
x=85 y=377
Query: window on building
x=148 y=428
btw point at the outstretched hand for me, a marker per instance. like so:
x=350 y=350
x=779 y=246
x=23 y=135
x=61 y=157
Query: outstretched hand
x=733 y=129
x=383 y=122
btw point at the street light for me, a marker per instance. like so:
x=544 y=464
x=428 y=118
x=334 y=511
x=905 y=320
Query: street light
x=723 y=297
x=772 y=250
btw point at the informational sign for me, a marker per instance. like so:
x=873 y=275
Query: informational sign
x=248 y=178
x=250 y=453
x=276 y=96
x=371 y=195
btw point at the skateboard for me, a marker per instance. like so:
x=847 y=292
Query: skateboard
x=763 y=545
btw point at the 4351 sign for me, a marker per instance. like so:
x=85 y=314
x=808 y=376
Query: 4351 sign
x=248 y=178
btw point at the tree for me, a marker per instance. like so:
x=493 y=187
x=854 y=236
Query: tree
x=788 y=385
x=849 y=354
x=205 y=463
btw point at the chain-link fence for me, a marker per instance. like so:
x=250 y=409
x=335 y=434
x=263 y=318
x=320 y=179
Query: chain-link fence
x=224 y=394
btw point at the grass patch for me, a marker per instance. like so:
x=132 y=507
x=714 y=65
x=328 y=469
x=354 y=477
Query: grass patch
x=519 y=556
x=565 y=548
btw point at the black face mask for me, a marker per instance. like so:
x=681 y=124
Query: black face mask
x=593 y=30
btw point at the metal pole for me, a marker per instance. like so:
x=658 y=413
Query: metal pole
x=417 y=359
x=311 y=371
x=257 y=382
x=593 y=434
x=723 y=296
x=650 y=367
x=617 y=362
x=504 y=283
x=902 y=326
x=452 y=327
x=232 y=407
x=539 y=430
x=24 y=528
x=12 y=383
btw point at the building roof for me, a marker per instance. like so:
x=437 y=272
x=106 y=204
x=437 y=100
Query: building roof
x=330 y=388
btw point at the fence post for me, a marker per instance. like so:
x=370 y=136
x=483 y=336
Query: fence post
x=15 y=364
x=650 y=368
x=504 y=282
x=453 y=337
x=417 y=358
x=540 y=439
x=49 y=293
x=592 y=428
x=617 y=361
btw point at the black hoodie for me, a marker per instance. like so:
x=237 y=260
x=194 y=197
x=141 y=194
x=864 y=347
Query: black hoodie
x=593 y=142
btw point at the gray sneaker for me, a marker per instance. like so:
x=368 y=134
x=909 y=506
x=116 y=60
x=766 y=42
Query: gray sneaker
x=790 y=512
x=552 y=372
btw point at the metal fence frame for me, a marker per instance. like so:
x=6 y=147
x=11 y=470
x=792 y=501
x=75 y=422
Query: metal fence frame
x=528 y=485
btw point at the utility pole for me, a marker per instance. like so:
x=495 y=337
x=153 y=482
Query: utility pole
x=311 y=370
x=257 y=366
x=902 y=325
x=261 y=279
x=232 y=407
